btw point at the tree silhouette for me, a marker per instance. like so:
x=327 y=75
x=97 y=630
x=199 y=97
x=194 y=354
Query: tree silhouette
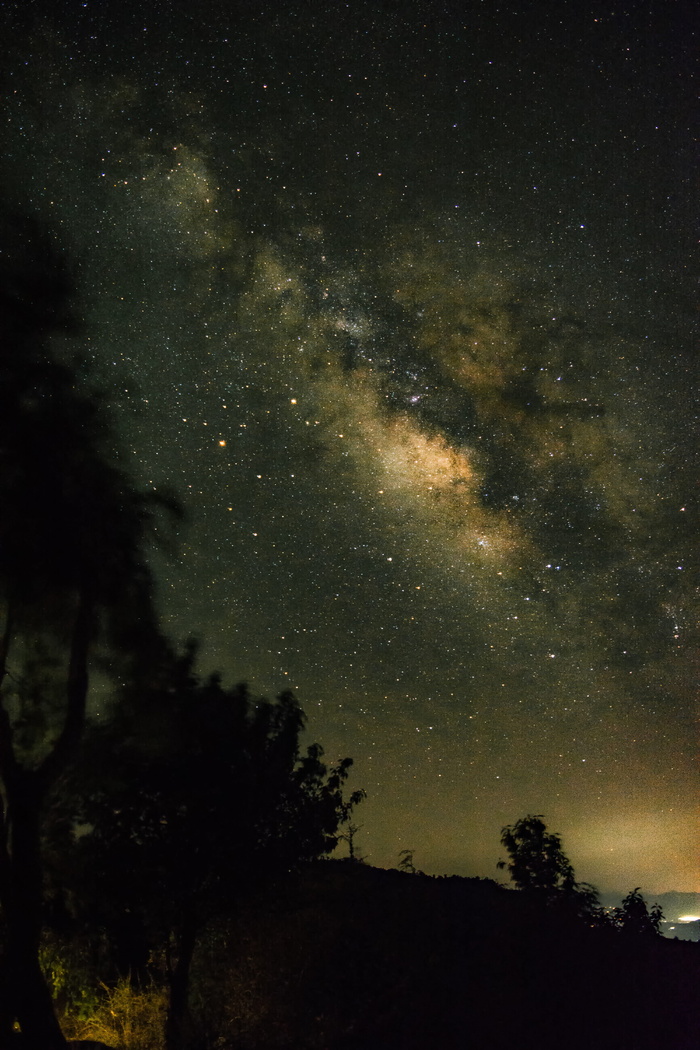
x=406 y=861
x=349 y=836
x=72 y=574
x=537 y=861
x=539 y=865
x=195 y=795
x=634 y=915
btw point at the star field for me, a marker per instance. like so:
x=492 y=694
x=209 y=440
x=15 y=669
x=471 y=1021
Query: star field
x=399 y=304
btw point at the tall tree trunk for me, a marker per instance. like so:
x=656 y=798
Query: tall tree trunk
x=28 y=1000
x=25 y=995
x=176 y=1019
x=30 y=997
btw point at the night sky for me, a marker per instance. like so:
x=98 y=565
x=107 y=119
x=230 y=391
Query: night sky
x=398 y=298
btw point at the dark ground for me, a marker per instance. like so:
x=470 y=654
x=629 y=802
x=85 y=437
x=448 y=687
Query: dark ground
x=349 y=957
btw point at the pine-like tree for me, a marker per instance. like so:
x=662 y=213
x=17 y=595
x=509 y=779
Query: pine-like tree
x=72 y=574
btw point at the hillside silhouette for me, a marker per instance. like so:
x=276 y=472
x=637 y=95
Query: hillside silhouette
x=348 y=956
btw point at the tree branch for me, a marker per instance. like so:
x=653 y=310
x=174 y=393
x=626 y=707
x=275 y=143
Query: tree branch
x=5 y=641
x=76 y=695
x=8 y=762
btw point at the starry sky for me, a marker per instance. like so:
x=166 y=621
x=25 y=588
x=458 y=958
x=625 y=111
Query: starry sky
x=398 y=298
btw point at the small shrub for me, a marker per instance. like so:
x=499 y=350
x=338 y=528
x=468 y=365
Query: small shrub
x=126 y=1017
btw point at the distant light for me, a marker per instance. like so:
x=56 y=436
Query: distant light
x=688 y=918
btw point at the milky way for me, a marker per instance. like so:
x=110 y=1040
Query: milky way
x=400 y=309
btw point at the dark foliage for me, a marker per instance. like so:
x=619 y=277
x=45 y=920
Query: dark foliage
x=537 y=861
x=539 y=867
x=634 y=916
x=72 y=520
x=190 y=797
